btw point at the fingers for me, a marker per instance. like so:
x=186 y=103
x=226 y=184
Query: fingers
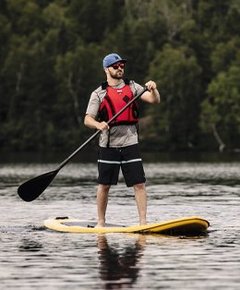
x=102 y=126
x=151 y=85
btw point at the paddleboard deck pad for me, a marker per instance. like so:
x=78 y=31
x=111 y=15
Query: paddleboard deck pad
x=190 y=226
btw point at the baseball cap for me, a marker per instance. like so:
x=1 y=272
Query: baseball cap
x=112 y=58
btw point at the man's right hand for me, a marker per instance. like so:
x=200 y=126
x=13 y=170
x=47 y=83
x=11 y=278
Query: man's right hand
x=102 y=126
x=92 y=123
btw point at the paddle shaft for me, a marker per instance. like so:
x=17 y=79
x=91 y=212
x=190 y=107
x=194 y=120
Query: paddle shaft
x=32 y=188
x=99 y=131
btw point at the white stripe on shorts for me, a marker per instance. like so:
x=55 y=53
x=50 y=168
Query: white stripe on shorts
x=119 y=162
x=108 y=161
x=131 y=160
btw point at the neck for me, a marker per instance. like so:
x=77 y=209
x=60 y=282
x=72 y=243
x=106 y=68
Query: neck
x=114 y=82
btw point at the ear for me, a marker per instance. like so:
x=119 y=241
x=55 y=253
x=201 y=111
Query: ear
x=106 y=70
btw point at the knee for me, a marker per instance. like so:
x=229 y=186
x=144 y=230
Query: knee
x=139 y=187
x=103 y=188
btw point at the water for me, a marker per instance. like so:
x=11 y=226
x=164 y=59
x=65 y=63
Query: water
x=35 y=258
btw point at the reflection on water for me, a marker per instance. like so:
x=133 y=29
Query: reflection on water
x=32 y=257
x=118 y=266
x=30 y=246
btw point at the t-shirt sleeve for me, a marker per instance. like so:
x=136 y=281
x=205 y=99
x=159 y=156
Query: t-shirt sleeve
x=93 y=105
x=136 y=88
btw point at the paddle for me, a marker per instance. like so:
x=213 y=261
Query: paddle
x=31 y=189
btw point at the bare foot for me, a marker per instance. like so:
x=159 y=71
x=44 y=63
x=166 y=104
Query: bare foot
x=100 y=225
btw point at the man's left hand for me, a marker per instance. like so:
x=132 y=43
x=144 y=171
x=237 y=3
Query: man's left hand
x=151 y=85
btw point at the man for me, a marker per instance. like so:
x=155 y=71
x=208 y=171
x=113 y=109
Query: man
x=118 y=142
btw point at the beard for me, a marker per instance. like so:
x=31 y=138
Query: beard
x=118 y=74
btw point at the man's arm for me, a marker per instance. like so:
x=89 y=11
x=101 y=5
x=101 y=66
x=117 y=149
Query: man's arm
x=91 y=113
x=90 y=122
x=152 y=95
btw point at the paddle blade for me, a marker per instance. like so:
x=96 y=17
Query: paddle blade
x=31 y=189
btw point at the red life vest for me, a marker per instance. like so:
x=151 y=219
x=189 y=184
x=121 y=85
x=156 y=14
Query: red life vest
x=114 y=100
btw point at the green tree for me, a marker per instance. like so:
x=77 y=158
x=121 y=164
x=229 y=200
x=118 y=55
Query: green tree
x=178 y=76
x=141 y=33
x=224 y=55
x=51 y=59
x=28 y=75
x=93 y=20
x=74 y=71
x=221 y=111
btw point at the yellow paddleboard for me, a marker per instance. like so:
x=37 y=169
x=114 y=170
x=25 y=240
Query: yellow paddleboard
x=183 y=226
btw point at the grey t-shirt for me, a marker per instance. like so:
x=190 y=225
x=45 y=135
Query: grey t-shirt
x=119 y=136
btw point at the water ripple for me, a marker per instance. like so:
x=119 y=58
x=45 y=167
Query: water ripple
x=35 y=258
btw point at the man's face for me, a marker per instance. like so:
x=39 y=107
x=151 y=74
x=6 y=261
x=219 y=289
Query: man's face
x=116 y=70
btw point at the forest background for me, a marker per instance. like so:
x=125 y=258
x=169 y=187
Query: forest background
x=51 y=60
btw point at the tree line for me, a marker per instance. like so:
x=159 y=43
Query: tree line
x=51 y=59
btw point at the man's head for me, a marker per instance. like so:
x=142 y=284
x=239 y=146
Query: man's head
x=111 y=59
x=114 y=66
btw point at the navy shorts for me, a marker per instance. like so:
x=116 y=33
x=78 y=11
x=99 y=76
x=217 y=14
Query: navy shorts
x=110 y=160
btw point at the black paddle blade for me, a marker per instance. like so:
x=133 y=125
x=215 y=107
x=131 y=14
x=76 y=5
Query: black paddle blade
x=31 y=189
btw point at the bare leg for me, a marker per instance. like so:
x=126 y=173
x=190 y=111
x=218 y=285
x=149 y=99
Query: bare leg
x=141 y=200
x=102 y=200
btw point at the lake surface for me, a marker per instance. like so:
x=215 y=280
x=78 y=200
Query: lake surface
x=35 y=258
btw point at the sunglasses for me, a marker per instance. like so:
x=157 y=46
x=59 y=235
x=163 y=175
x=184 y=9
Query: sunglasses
x=117 y=65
